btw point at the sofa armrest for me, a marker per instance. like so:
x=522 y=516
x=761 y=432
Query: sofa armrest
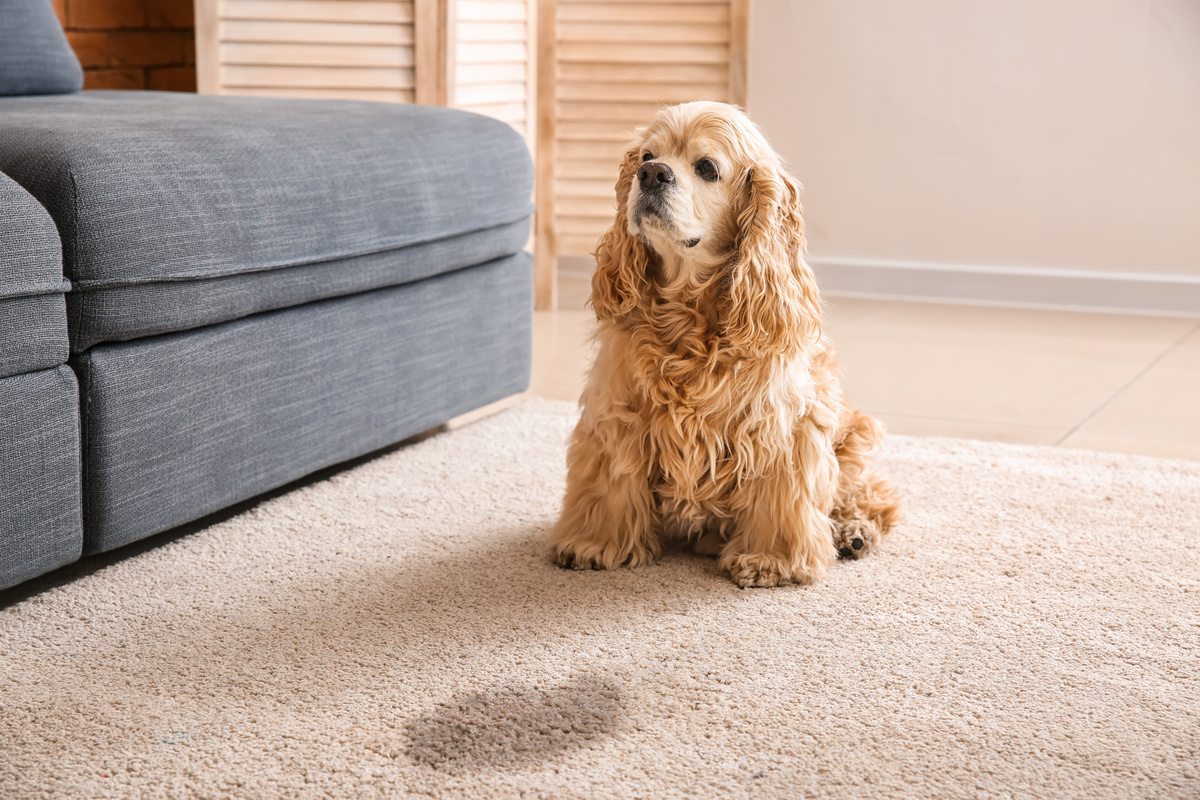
x=33 y=317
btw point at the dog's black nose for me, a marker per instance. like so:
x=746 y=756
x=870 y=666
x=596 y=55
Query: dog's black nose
x=654 y=175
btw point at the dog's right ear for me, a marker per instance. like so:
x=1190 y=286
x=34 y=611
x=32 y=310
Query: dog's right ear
x=621 y=258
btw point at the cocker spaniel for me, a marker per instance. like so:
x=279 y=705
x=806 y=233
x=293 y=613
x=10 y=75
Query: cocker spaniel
x=713 y=411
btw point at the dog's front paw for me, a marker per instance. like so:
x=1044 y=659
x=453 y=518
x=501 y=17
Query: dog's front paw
x=568 y=558
x=854 y=538
x=573 y=555
x=757 y=570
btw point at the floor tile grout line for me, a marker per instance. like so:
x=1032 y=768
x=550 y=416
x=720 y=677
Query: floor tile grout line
x=1141 y=373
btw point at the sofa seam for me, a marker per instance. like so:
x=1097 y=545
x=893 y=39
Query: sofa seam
x=98 y=284
x=140 y=337
x=83 y=377
x=38 y=290
x=74 y=220
x=50 y=368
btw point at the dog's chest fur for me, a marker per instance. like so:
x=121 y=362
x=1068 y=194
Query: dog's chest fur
x=714 y=418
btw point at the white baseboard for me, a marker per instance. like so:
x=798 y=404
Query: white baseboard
x=1080 y=290
x=1028 y=287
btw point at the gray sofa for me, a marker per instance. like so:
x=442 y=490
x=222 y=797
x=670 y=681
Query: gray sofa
x=204 y=298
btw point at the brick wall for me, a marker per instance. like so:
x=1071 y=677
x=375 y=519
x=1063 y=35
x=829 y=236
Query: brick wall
x=132 y=44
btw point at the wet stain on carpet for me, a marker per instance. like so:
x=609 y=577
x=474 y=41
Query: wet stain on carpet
x=514 y=727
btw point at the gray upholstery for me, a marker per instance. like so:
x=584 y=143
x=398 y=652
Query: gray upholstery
x=35 y=57
x=40 y=525
x=180 y=425
x=33 y=321
x=29 y=242
x=33 y=332
x=152 y=186
x=129 y=312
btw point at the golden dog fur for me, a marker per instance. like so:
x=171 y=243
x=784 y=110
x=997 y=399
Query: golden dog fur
x=713 y=411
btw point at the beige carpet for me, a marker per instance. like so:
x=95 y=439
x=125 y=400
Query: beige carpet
x=1032 y=631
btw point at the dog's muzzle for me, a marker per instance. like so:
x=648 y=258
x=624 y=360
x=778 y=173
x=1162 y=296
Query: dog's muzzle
x=654 y=180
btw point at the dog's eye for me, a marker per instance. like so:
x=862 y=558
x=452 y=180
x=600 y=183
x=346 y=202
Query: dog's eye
x=707 y=170
x=647 y=156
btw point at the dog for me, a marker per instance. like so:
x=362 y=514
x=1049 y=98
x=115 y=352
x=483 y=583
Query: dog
x=713 y=413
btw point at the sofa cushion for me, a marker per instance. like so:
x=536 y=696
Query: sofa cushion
x=35 y=57
x=33 y=321
x=151 y=188
x=182 y=425
x=120 y=313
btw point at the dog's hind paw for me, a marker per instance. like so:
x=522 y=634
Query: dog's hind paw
x=854 y=538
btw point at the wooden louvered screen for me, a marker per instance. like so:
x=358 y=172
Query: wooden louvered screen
x=614 y=64
x=473 y=54
x=358 y=49
x=492 y=70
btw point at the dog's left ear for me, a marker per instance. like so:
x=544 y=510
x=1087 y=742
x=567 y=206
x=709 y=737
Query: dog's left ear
x=771 y=305
x=621 y=258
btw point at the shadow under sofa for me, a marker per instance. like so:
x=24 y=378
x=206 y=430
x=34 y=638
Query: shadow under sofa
x=258 y=289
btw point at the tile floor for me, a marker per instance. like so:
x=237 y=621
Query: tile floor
x=1109 y=382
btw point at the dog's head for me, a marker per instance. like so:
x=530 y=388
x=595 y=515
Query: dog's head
x=702 y=199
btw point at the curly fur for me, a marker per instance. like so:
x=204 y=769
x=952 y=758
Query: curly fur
x=713 y=411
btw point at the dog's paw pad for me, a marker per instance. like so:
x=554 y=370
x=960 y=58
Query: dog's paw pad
x=854 y=539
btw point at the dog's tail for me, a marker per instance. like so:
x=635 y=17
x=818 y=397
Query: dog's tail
x=858 y=440
x=861 y=490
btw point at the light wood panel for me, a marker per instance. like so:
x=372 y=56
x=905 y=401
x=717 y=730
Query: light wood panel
x=661 y=2
x=601 y=89
x=318 y=10
x=255 y=30
x=591 y=112
x=473 y=54
x=739 y=42
x=492 y=73
x=317 y=77
x=545 y=277
x=315 y=55
x=489 y=11
x=653 y=33
x=208 y=46
x=667 y=13
x=376 y=95
x=668 y=52
x=586 y=168
x=502 y=73
x=492 y=52
x=432 y=51
x=358 y=49
x=636 y=72
x=588 y=207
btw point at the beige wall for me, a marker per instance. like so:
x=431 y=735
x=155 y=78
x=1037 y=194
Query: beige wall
x=1033 y=133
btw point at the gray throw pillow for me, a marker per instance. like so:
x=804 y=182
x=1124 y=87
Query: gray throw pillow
x=35 y=57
